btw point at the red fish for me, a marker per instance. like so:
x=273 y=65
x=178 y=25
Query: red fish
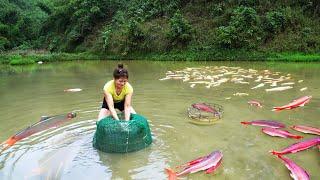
x=297 y=173
x=43 y=124
x=266 y=123
x=210 y=163
x=307 y=129
x=280 y=133
x=195 y=161
x=206 y=108
x=255 y=103
x=294 y=104
x=299 y=146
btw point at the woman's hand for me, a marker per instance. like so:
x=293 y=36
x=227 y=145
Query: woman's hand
x=127 y=106
x=109 y=100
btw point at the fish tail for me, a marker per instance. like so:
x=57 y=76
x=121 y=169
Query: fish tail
x=274 y=152
x=245 y=123
x=277 y=109
x=172 y=175
x=297 y=137
x=11 y=141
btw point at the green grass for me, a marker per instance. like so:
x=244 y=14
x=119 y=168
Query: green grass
x=212 y=55
x=21 y=60
x=295 y=57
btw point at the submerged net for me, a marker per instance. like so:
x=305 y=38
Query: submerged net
x=202 y=117
x=122 y=136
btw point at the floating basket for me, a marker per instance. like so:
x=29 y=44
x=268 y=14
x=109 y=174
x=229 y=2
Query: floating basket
x=120 y=136
x=202 y=117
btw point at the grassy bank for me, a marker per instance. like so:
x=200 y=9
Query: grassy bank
x=16 y=59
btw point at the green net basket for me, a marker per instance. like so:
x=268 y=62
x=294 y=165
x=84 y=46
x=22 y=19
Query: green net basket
x=120 y=136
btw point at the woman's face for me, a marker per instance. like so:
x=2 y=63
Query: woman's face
x=120 y=82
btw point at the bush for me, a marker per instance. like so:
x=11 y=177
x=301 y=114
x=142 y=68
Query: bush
x=217 y=9
x=135 y=35
x=3 y=43
x=4 y=30
x=275 y=22
x=19 y=60
x=180 y=30
x=242 y=31
x=106 y=37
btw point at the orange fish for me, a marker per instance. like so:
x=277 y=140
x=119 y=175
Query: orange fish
x=43 y=124
x=209 y=163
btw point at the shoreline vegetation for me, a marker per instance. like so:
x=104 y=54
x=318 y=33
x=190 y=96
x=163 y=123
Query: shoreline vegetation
x=24 y=58
x=169 y=30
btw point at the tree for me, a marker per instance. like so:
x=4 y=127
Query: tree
x=180 y=30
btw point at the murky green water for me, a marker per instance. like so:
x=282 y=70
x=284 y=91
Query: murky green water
x=26 y=93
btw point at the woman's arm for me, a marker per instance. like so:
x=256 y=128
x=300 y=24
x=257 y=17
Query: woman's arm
x=109 y=100
x=127 y=106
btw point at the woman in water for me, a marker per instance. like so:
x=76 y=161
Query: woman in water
x=117 y=95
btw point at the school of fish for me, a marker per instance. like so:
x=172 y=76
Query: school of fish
x=273 y=128
x=213 y=76
x=267 y=80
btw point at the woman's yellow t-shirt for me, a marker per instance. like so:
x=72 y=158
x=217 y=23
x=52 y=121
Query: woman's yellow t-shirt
x=110 y=87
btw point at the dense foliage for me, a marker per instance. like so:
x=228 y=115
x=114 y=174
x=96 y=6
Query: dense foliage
x=20 y=23
x=149 y=26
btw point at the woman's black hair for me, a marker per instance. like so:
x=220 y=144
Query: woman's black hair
x=120 y=72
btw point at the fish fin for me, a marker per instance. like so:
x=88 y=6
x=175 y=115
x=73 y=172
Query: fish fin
x=213 y=168
x=195 y=161
x=172 y=175
x=304 y=103
x=210 y=170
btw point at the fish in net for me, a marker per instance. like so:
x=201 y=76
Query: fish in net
x=205 y=113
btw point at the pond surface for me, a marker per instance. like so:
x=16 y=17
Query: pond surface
x=28 y=92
